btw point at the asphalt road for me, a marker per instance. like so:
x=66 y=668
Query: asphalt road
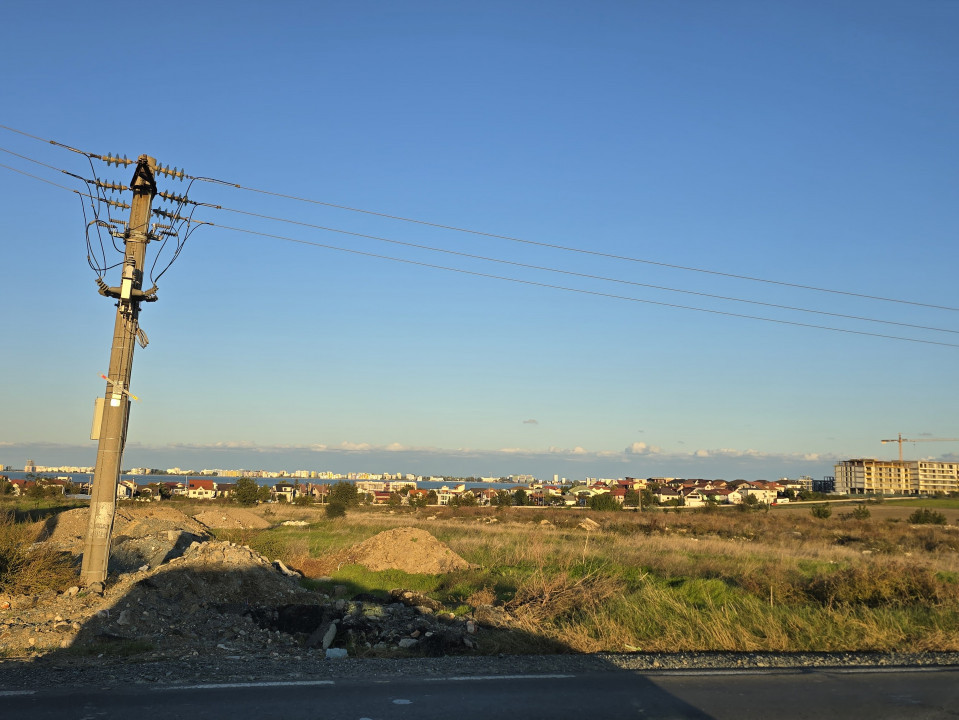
x=874 y=694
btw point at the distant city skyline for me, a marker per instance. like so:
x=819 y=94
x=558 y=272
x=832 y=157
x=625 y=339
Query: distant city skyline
x=459 y=463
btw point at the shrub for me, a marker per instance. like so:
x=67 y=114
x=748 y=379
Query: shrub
x=335 y=509
x=604 y=502
x=861 y=512
x=821 y=511
x=344 y=493
x=925 y=516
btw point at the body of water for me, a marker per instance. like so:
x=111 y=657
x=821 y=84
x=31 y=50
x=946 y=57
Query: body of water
x=146 y=479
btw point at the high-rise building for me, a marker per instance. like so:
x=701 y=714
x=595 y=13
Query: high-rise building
x=896 y=477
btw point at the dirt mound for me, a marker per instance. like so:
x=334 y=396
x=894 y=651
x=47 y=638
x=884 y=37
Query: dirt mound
x=408 y=549
x=66 y=530
x=231 y=518
x=144 y=534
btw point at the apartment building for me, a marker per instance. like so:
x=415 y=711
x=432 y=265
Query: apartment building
x=894 y=477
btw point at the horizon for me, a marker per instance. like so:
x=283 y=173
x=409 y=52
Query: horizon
x=395 y=462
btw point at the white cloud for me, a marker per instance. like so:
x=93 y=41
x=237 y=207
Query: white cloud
x=531 y=421
x=641 y=448
x=345 y=445
x=553 y=450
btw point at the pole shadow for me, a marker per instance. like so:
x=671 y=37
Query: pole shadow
x=220 y=624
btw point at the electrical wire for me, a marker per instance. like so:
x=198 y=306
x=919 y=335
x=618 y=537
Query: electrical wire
x=580 y=290
x=30 y=159
x=48 y=182
x=572 y=273
x=182 y=227
x=554 y=246
x=566 y=248
x=51 y=142
x=529 y=266
x=97 y=197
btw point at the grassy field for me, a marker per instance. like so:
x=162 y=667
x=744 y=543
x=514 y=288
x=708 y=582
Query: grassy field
x=777 y=580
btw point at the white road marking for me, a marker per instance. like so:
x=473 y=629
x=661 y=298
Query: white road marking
x=466 y=678
x=15 y=693
x=402 y=702
x=222 y=686
x=787 y=670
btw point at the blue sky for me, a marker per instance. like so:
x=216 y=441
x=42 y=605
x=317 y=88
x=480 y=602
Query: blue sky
x=807 y=143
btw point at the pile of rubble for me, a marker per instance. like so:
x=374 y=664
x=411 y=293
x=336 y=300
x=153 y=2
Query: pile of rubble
x=181 y=594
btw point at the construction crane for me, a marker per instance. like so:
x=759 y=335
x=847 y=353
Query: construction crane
x=901 y=440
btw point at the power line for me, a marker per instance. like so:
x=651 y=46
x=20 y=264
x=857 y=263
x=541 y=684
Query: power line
x=50 y=142
x=567 y=248
x=554 y=246
x=98 y=223
x=579 y=290
x=533 y=267
x=48 y=182
x=577 y=274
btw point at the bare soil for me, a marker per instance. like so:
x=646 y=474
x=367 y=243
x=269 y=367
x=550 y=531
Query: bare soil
x=173 y=591
x=232 y=518
x=409 y=549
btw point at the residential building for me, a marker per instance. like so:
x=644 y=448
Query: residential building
x=201 y=489
x=126 y=489
x=865 y=476
x=283 y=492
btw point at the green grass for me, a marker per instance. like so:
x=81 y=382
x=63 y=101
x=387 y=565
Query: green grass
x=361 y=580
x=690 y=581
x=951 y=503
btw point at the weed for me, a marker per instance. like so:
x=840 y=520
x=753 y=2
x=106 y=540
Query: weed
x=27 y=569
x=925 y=516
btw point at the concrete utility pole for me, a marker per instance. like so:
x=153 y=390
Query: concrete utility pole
x=116 y=407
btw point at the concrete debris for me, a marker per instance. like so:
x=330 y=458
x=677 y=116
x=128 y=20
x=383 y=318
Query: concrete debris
x=174 y=592
x=278 y=564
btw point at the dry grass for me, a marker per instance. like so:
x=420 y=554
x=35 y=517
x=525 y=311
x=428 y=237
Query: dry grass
x=666 y=582
x=27 y=569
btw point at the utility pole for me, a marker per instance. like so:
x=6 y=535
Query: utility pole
x=112 y=428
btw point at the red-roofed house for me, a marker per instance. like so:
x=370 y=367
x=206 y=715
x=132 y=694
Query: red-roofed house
x=201 y=489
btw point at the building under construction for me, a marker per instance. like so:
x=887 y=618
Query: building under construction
x=866 y=476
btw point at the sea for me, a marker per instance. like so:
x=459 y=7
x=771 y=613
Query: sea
x=145 y=479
